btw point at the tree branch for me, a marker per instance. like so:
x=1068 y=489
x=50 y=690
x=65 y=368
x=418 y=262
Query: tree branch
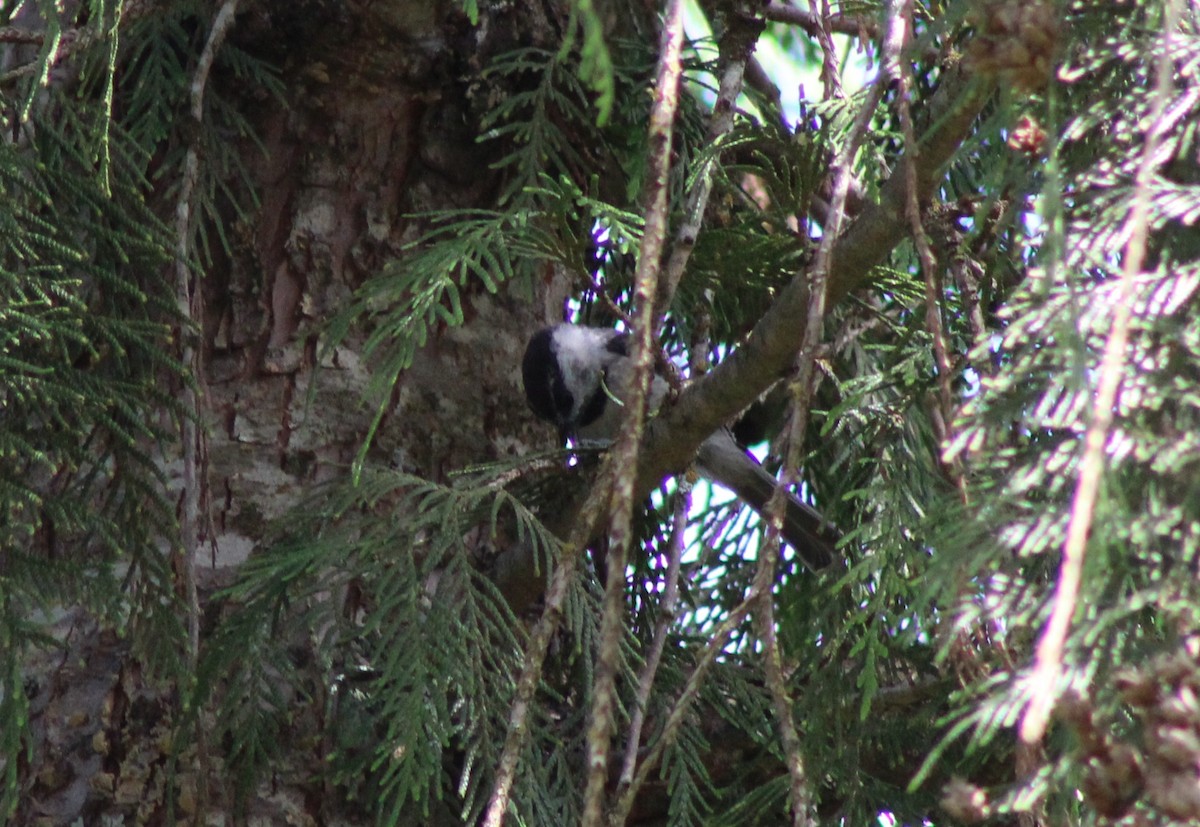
x=188 y=298
x=1043 y=690
x=628 y=445
x=667 y=612
x=736 y=47
x=813 y=24
x=769 y=352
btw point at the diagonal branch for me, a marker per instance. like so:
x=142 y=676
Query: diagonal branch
x=1049 y=657
x=814 y=24
x=737 y=47
x=770 y=350
x=800 y=389
x=189 y=299
x=628 y=445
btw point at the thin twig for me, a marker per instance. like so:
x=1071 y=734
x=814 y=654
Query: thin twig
x=666 y=619
x=1049 y=656
x=189 y=300
x=813 y=24
x=942 y=415
x=967 y=273
x=531 y=670
x=764 y=621
x=605 y=299
x=628 y=444
x=736 y=47
x=716 y=644
x=900 y=72
x=15 y=34
x=831 y=79
x=800 y=389
x=830 y=74
x=818 y=273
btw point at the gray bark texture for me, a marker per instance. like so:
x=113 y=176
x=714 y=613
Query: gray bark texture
x=379 y=126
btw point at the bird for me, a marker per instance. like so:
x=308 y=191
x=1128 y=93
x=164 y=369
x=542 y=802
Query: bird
x=577 y=377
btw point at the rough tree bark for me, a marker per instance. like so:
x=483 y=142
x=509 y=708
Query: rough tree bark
x=379 y=125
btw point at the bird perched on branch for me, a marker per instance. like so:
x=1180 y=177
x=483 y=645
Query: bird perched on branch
x=578 y=377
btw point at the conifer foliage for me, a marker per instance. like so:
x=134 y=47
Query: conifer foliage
x=952 y=304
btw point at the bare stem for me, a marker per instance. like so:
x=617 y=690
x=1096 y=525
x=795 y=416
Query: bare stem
x=189 y=300
x=716 y=643
x=736 y=48
x=801 y=392
x=531 y=670
x=625 y=451
x=813 y=23
x=899 y=72
x=666 y=619
x=764 y=617
x=1049 y=655
x=830 y=75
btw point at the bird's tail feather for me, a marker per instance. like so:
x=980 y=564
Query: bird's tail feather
x=722 y=460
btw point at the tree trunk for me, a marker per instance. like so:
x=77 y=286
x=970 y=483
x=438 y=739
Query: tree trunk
x=378 y=129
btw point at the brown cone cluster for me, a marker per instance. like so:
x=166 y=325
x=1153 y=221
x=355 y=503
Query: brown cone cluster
x=1162 y=767
x=1015 y=40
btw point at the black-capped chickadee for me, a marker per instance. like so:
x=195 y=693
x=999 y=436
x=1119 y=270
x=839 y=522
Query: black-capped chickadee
x=576 y=377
